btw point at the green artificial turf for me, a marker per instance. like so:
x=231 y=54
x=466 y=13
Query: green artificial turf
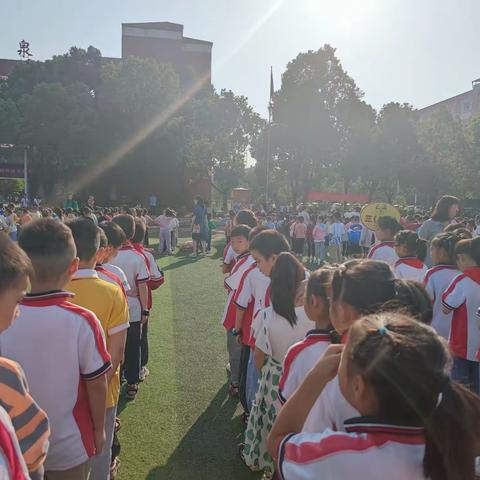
x=182 y=425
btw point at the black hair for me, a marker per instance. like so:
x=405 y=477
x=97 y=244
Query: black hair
x=319 y=284
x=447 y=241
x=440 y=212
x=114 y=233
x=86 y=236
x=407 y=365
x=255 y=231
x=140 y=229
x=416 y=246
x=50 y=247
x=286 y=276
x=268 y=243
x=389 y=224
x=103 y=238
x=240 y=231
x=371 y=287
x=14 y=263
x=246 y=217
x=127 y=223
x=470 y=247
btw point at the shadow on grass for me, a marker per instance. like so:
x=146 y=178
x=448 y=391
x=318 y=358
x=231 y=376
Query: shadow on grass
x=209 y=449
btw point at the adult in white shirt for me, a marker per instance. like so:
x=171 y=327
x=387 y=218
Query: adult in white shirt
x=164 y=221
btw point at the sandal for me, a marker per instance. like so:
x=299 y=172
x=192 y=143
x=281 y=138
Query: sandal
x=114 y=468
x=233 y=391
x=132 y=391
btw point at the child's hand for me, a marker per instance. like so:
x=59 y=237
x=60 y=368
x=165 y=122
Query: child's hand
x=327 y=366
x=99 y=439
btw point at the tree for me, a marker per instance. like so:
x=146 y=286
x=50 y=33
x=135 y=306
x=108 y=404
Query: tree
x=59 y=123
x=445 y=143
x=311 y=118
x=10 y=119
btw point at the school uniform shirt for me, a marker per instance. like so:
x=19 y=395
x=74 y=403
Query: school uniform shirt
x=384 y=252
x=231 y=283
x=108 y=276
x=437 y=280
x=119 y=273
x=108 y=303
x=368 y=449
x=60 y=347
x=300 y=359
x=135 y=268
x=250 y=296
x=12 y=463
x=276 y=335
x=156 y=275
x=229 y=255
x=330 y=410
x=410 y=268
x=463 y=298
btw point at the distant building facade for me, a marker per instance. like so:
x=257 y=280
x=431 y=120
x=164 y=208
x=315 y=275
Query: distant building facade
x=164 y=42
x=462 y=106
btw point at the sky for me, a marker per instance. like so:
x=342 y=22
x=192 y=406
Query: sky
x=415 y=51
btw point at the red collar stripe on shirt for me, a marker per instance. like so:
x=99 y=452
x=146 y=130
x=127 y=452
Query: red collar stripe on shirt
x=379 y=245
x=46 y=299
x=411 y=262
x=437 y=268
x=292 y=354
x=242 y=283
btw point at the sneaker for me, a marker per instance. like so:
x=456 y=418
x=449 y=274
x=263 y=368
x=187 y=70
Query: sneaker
x=144 y=373
x=193 y=255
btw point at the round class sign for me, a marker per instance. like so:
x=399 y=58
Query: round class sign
x=371 y=212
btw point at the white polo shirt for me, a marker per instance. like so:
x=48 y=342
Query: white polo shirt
x=410 y=268
x=437 y=280
x=119 y=273
x=384 y=252
x=60 y=346
x=330 y=410
x=463 y=298
x=135 y=268
x=300 y=359
x=367 y=450
x=254 y=288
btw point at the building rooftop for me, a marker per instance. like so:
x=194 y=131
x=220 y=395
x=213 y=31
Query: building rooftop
x=177 y=27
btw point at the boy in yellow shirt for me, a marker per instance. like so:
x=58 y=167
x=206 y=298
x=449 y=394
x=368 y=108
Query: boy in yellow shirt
x=108 y=302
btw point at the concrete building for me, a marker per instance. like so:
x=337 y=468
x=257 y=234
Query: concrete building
x=462 y=106
x=162 y=41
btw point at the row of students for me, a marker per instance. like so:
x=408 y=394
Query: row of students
x=89 y=295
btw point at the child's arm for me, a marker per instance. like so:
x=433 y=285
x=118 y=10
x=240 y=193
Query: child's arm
x=97 y=399
x=239 y=318
x=293 y=414
x=143 y=296
x=116 y=349
x=258 y=358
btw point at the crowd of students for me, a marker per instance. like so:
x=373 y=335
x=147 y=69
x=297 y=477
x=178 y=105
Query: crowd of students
x=75 y=301
x=359 y=369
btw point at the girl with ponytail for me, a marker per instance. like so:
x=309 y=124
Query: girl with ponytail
x=361 y=288
x=414 y=422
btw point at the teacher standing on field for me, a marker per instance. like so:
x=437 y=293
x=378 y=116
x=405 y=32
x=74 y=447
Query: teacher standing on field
x=444 y=212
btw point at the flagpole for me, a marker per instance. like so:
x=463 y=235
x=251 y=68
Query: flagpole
x=269 y=133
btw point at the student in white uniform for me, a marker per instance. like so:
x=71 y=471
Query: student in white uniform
x=302 y=356
x=411 y=252
x=282 y=325
x=462 y=298
x=439 y=277
x=383 y=250
x=360 y=288
x=414 y=422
